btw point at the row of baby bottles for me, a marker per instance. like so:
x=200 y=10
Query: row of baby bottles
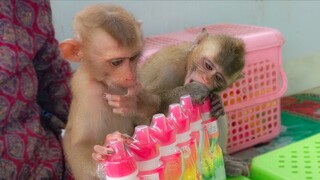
x=182 y=145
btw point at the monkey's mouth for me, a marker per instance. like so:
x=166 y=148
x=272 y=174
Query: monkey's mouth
x=191 y=80
x=116 y=89
x=188 y=80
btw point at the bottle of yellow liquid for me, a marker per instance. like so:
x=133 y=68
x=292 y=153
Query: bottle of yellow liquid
x=211 y=158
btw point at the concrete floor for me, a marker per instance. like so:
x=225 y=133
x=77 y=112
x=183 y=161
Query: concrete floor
x=315 y=90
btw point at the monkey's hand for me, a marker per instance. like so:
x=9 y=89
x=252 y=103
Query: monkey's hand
x=235 y=166
x=198 y=92
x=125 y=104
x=217 y=109
x=101 y=152
x=137 y=102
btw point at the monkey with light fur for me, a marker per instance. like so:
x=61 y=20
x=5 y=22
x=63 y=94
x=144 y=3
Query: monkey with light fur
x=202 y=68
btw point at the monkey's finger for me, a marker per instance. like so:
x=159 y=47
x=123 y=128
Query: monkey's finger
x=115 y=104
x=233 y=168
x=121 y=111
x=237 y=169
x=233 y=171
x=97 y=157
x=235 y=165
x=103 y=151
x=134 y=89
x=216 y=107
x=128 y=139
x=217 y=114
x=112 y=97
x=215 y=102
x=114 y=134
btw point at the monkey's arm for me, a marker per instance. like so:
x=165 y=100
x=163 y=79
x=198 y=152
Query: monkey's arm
x=80 y=137
x=148 y=105
x=197 y=91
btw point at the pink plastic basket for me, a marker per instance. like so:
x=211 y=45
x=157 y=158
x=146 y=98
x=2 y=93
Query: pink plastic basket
x=252 y=103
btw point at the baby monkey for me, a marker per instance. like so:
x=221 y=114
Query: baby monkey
x=202 y=68
x=107 y=46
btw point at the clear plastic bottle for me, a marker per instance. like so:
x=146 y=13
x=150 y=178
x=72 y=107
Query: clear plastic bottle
x=187 y=144
x=145 y=150
x=121 y=165
x=170 y=154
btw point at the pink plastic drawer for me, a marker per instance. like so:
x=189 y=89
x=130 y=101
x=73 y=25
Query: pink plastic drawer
x=252 y=103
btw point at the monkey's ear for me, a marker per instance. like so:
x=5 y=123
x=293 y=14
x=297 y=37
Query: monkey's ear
x=139 y=23
x=200 y=37
x=70 y=49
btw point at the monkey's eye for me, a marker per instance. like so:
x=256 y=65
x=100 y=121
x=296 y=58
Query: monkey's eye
x=116 y=62
x=208 y=65
x=219 y=78
x=135 y=57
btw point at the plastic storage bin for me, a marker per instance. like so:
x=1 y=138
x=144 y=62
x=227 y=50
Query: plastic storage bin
x=252 y=104
x=300 y=160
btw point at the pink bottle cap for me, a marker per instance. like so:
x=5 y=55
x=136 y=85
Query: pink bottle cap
x=178 y=119
x=144 y=147
x=121 y=163
x=190 y=109
x=161 y=130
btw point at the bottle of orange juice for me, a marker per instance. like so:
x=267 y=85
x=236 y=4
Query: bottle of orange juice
x=170 y=154
x=145 y=150
x=181 y=123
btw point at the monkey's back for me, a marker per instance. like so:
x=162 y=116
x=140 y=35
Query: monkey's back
x=173 y=60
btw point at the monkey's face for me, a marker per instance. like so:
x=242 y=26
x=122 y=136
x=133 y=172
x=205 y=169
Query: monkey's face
x=217 y=62
x=110 y=63
x=208 y=72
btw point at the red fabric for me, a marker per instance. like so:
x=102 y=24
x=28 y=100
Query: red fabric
x=33 y=77
x=302 y=107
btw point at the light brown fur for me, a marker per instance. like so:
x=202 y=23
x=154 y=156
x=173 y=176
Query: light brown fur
x=100 y=44
x=178 y=70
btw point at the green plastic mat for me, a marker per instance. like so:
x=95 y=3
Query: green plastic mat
x=298 y=161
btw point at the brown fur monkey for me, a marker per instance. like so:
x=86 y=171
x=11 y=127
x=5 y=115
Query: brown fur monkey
x=108 y=44
x=203 y=68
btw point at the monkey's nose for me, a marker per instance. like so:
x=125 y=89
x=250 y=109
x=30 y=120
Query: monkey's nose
x=131 y=78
